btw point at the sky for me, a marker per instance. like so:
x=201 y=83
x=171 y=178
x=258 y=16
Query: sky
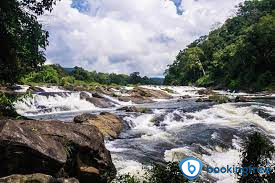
x=124 y=36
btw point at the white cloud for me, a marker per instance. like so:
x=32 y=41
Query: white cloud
x=129 y=35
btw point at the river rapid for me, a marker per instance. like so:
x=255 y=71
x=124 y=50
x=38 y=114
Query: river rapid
x=175 y=128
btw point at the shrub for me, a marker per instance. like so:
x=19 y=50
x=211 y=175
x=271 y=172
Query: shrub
x=258 y=151
x=159 y=173
x=6 y=106
x=67 y=80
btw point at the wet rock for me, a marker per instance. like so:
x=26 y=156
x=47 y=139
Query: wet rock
x=104 y=90
x=84 y=95
x=185 y=97
x=204 y=100
x=242 y=99
x=35 y=89
x=135 y=99
x=100 y=102
x=219 y=98
x=36 y=178
x=97 y=95
x=145 y=92
x=108 y=124
x=266 y=115
x=54 y=148
x=206 y=92
x=97 y=100
x=134 y=109
x=14 y=87
x=215 y=98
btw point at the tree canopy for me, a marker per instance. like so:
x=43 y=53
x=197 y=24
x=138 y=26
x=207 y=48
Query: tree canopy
x=55 y=74
x=22 y=38
x=238 y=55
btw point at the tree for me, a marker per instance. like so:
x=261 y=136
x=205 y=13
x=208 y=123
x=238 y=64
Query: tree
x=22 y=38
x=135 y=78
x=80 y=74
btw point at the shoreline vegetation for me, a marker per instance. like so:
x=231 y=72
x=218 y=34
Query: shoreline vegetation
x=238 y=55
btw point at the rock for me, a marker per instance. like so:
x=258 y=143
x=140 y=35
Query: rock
x=84 y=95
x=215 y=98
x=219 y=99
x=135 y=99
x=242 y=99
x=104 y=90
x=84 y=117
x=206 y=92
x=185 y=97
x=35 y=89
x=204 y=100
x=100 y=102
x=108 y=124
x=36 y=178
x=266 y=115
x=97 y=100
x=54 y=148
x=97 y=95
x=145 y=92
x=134 y=109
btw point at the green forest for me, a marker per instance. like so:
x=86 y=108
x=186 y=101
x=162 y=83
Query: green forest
x=238 y=55
x=57 y=75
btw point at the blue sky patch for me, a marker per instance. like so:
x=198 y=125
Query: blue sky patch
x=178 y=5
x=81 y=5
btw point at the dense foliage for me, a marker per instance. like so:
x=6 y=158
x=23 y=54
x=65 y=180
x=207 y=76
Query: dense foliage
x=239 y=54
x=55 y=74
x=22 y=38
x=167 y=173
x=258 y=151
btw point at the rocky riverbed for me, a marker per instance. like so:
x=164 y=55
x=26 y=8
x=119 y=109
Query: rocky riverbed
x=81 y=135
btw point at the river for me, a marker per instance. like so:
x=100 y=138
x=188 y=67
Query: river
x=176 y=128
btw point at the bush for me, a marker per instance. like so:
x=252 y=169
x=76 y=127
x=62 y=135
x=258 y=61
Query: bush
x=234 y=84
x=159 y=173
x=258 y=151
x=47 y=75
x=6 y=106
x=67 y=80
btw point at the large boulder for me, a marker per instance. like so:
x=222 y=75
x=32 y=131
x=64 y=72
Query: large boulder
x=36 y=178
x=108 y=124
x=54 y=148
x=145 y=92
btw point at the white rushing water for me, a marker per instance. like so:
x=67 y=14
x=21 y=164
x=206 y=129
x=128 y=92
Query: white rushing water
x=175 y=128
x=53 y=103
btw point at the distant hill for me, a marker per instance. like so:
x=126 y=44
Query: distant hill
x=69 y=70
x=157 y=80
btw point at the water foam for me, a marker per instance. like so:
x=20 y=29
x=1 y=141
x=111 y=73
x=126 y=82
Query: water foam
x=53 y=103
